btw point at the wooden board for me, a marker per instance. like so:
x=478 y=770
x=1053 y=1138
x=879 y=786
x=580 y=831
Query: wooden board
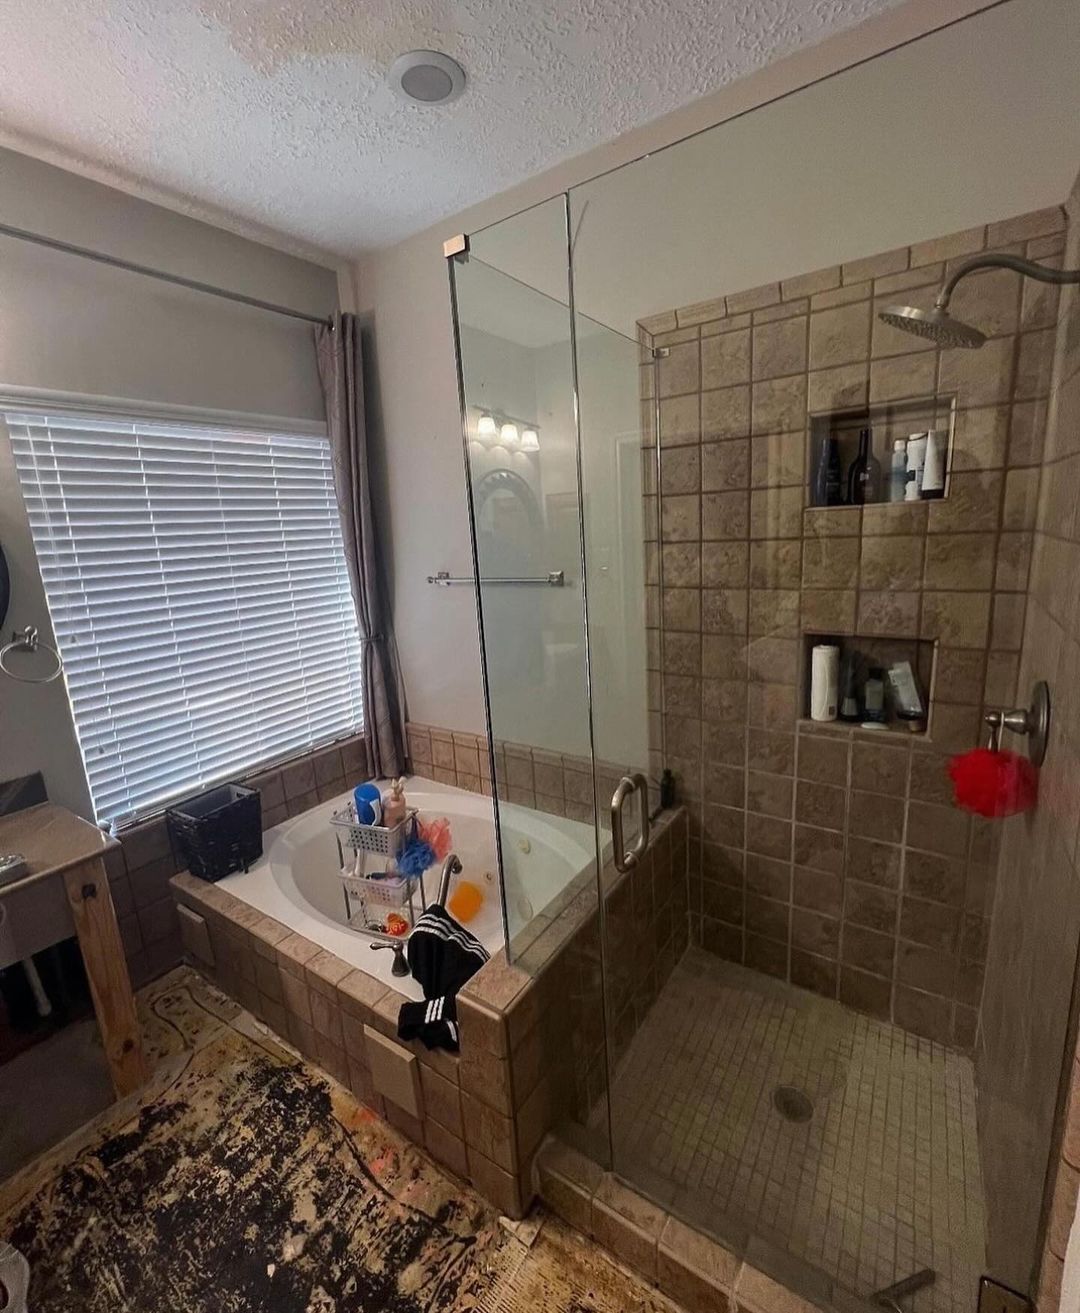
x=88 y=892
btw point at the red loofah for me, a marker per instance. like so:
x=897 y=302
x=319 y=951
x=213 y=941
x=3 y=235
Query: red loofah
x=994 y=783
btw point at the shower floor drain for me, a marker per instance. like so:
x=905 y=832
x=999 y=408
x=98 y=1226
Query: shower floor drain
x=792 y=1103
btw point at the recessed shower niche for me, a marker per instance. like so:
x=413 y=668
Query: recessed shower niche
x=863 y=659
x=832 y=467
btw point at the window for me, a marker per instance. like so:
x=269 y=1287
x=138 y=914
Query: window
x=199 y=595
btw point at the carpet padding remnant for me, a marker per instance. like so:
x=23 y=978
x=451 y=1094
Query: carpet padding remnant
x=243 y=1180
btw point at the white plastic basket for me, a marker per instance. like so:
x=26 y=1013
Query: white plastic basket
x=388 y=891
x=387 y=841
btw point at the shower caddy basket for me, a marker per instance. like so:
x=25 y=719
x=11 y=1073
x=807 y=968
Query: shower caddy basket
x=377 y=903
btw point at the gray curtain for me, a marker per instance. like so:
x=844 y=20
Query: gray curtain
x=341 y=371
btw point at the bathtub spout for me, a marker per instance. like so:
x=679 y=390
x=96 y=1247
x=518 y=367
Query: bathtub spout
x=452 y=866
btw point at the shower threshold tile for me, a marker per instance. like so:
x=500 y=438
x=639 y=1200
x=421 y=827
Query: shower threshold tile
x=876 y=1133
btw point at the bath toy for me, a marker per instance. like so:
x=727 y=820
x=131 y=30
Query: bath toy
x=465 y=901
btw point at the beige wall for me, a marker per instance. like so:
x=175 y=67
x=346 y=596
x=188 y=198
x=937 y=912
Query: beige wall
x=70 y=326
x=404 y=296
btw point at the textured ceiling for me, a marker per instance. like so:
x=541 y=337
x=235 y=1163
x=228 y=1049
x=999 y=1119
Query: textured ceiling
x=277 y=114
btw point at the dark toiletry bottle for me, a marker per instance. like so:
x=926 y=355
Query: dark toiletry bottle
x=667 y=789
x=874 y=697
x=849 y=701
x=827 y=480
x=864 y=475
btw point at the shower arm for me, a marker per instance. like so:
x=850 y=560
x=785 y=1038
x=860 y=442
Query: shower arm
x=1028 y=268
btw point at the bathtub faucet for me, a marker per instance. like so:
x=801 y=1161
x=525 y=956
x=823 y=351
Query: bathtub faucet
x=452 y=866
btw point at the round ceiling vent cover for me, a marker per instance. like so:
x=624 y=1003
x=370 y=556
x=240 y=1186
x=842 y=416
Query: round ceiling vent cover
x=427 y=77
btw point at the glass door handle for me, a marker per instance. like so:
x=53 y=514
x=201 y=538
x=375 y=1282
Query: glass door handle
x=626 y=859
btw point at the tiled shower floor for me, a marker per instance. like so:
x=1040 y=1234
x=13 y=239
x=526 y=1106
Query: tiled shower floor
x=882 y=1180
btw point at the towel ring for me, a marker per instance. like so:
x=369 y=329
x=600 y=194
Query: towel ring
x=27 y=640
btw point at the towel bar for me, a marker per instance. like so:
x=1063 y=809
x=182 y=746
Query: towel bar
x=554 y=579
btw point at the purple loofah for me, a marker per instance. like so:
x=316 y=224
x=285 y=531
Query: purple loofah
x=415 y=857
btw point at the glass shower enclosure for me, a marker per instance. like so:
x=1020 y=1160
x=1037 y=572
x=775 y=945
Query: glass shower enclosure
x=821 y=1056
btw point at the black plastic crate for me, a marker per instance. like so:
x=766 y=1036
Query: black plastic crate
x=219 y=831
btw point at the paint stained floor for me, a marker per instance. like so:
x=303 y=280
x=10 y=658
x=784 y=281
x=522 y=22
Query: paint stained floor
x=243 y=1179
x=879 y=1179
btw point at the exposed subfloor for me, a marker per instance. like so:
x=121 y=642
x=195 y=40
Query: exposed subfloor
x=244 y=1179
x=882 y=1180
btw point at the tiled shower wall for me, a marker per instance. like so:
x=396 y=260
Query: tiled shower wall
x=1032 y=952
x=831 y=858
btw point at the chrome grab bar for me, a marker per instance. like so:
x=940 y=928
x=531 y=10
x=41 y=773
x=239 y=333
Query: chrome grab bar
x=626 y=859
x=553 y=579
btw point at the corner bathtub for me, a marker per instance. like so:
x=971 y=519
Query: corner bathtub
x=297 y=879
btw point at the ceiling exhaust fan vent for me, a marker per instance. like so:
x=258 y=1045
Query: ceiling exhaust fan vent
x=426 y=77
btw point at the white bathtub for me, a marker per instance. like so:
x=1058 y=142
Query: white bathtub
x=297 y=879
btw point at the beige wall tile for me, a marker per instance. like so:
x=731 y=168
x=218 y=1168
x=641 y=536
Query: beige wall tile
x=725 y=465
x=821 y=280
x=961 y=560
x=778 y=459
x=839 y=388
x=967 y=242
x=891 y=614
x=829 y=611
x=958 y=619
x=725 y=360
x=897 y=377
x=830 y=563
x=680 y=420
x=840 y=336
x=891 y=562
x=779 y=348
x=725 y=413
x=875 y=266
x=779 y=405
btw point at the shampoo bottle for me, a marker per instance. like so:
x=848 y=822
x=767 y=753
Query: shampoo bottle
x=827 y=475
x=933 y=479
x=898 y=471
x=394 y=804
x=916 y=455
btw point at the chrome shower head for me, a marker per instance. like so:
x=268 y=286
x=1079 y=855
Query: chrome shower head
x=936 y=324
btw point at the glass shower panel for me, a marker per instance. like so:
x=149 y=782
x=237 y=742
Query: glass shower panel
x=517 y=380
x=522 y=455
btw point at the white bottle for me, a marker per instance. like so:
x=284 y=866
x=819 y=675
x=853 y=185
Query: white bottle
x=933 y=477
x=916 y=455
x=824 y=681
x=898 y=471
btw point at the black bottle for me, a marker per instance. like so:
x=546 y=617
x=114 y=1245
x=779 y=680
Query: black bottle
x=864 y=474
x=827 y=481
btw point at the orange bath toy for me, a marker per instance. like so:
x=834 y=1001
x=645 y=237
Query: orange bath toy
x=464 y=903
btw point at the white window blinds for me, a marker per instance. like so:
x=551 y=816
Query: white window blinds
x=199 y=596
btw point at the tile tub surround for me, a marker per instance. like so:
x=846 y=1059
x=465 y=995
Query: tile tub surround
x=532 y=1034
x=1030 y=984
x=838 y=863
x=557 y=783
x=140 y=870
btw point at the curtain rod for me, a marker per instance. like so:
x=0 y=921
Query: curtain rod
x=54 y=244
